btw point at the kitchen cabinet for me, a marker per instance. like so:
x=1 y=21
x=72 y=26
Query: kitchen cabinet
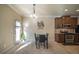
x=59 y=37
x=65 y=24
x=65 y=20
x=67 y=38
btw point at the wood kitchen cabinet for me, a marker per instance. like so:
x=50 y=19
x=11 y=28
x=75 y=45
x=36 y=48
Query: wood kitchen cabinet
x=58 y=22
x=59 y=38
x=65 y=20
x=77 y=38
x=65 y=24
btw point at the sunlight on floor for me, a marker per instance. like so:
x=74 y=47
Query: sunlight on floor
x=26 y=44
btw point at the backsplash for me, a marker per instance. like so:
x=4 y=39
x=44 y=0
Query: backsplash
x=65 y=30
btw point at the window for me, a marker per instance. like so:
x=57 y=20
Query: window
x=18 y=31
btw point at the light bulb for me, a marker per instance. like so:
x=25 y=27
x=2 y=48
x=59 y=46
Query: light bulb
x=33 y=16
x=66 y=9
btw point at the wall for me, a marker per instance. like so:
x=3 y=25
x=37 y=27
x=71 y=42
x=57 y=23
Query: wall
x=7 y=19
x=32 y=27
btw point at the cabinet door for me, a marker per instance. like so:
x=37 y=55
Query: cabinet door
x=56 y=37
x=73 y=21
x=58 y=22
x=65 y=20
x=59 y=38
x=77 y=38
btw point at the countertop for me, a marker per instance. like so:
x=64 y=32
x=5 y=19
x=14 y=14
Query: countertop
x=67 y=33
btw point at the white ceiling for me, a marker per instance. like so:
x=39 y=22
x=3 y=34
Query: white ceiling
x=46 y=9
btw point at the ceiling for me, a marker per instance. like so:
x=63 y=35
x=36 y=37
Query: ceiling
x=43 y=10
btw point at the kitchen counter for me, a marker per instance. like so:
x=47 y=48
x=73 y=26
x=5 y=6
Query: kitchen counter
x=66 y=33
x=59 y=37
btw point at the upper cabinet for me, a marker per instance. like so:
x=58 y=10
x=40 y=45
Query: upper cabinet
x=65 y=22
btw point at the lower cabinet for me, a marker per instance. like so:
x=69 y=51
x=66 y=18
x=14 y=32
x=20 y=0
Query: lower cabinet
x=77 y=38
x=59 y=38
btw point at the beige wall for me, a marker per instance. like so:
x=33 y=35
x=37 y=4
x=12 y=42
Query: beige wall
x=32 y=28
x=7 y=19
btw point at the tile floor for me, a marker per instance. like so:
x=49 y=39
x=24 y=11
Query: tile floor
x=54 y=48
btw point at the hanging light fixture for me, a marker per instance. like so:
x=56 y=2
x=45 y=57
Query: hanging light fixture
x=34 y=8
x=34 y=14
